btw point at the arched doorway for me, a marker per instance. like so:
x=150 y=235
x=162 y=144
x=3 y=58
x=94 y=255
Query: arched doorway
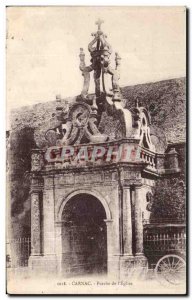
x=84 y=236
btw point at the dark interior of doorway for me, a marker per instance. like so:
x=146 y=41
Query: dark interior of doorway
x=84 y=236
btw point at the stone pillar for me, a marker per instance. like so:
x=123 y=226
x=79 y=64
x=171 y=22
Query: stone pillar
x=58 y=245
x=112 y=257
x=35 y=224
x=109 y=237
x=127 y=221
x=138 y=221
x=48 y=222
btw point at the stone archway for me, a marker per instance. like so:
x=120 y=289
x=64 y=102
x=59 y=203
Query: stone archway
x=84 y=236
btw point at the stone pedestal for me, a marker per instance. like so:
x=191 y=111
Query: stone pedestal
x=43 y=264
x=132 y=267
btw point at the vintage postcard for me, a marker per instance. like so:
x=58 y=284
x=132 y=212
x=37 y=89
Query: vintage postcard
x=96 y=150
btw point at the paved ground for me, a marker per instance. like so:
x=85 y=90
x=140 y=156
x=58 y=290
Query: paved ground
x=19 y=282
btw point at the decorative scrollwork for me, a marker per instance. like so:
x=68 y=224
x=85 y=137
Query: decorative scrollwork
x=100 y=51
x=81 y=122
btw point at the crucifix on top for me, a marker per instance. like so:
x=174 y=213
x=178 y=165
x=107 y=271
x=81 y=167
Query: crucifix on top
x=98 y=23
x=100 y=51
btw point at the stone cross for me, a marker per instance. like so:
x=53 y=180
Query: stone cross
x=99 y=22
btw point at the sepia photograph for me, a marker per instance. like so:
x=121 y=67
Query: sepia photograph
x=96 y=150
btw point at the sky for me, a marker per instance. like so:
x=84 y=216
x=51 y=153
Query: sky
x=43 y=48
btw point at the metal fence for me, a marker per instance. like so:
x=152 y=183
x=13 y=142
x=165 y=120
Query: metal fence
x=159 y=240
x=18 y=252
x=162 y=239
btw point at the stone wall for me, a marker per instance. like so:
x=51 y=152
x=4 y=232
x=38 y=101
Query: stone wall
x=166 y=102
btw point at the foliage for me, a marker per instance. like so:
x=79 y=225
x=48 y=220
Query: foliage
x=169 y=200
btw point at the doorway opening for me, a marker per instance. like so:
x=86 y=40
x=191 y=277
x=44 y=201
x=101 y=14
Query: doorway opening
x=84 y=236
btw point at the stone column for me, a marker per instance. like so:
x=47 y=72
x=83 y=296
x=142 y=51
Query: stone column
x=127 y=221
x=112 y=257
x=35 y=224
x=58 y=245
x=110 y=249
x=48 y=222
x=138 y=221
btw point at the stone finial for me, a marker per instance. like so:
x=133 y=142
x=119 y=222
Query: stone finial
x=173 y=159
x=58 y=97
x=58 y=103
x=137 y=103
x=173 y=151
x=117 y=59
x=82 y=54
x=100 y=51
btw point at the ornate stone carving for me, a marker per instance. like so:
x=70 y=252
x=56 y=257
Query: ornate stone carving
x=131 y=175
x=35 y=224
x=81 y=123
x=100 y=51
x=88 y=178
x=141 y=126
x=36 y=161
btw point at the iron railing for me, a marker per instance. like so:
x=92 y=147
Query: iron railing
x=162 y=239
x=18 y=252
